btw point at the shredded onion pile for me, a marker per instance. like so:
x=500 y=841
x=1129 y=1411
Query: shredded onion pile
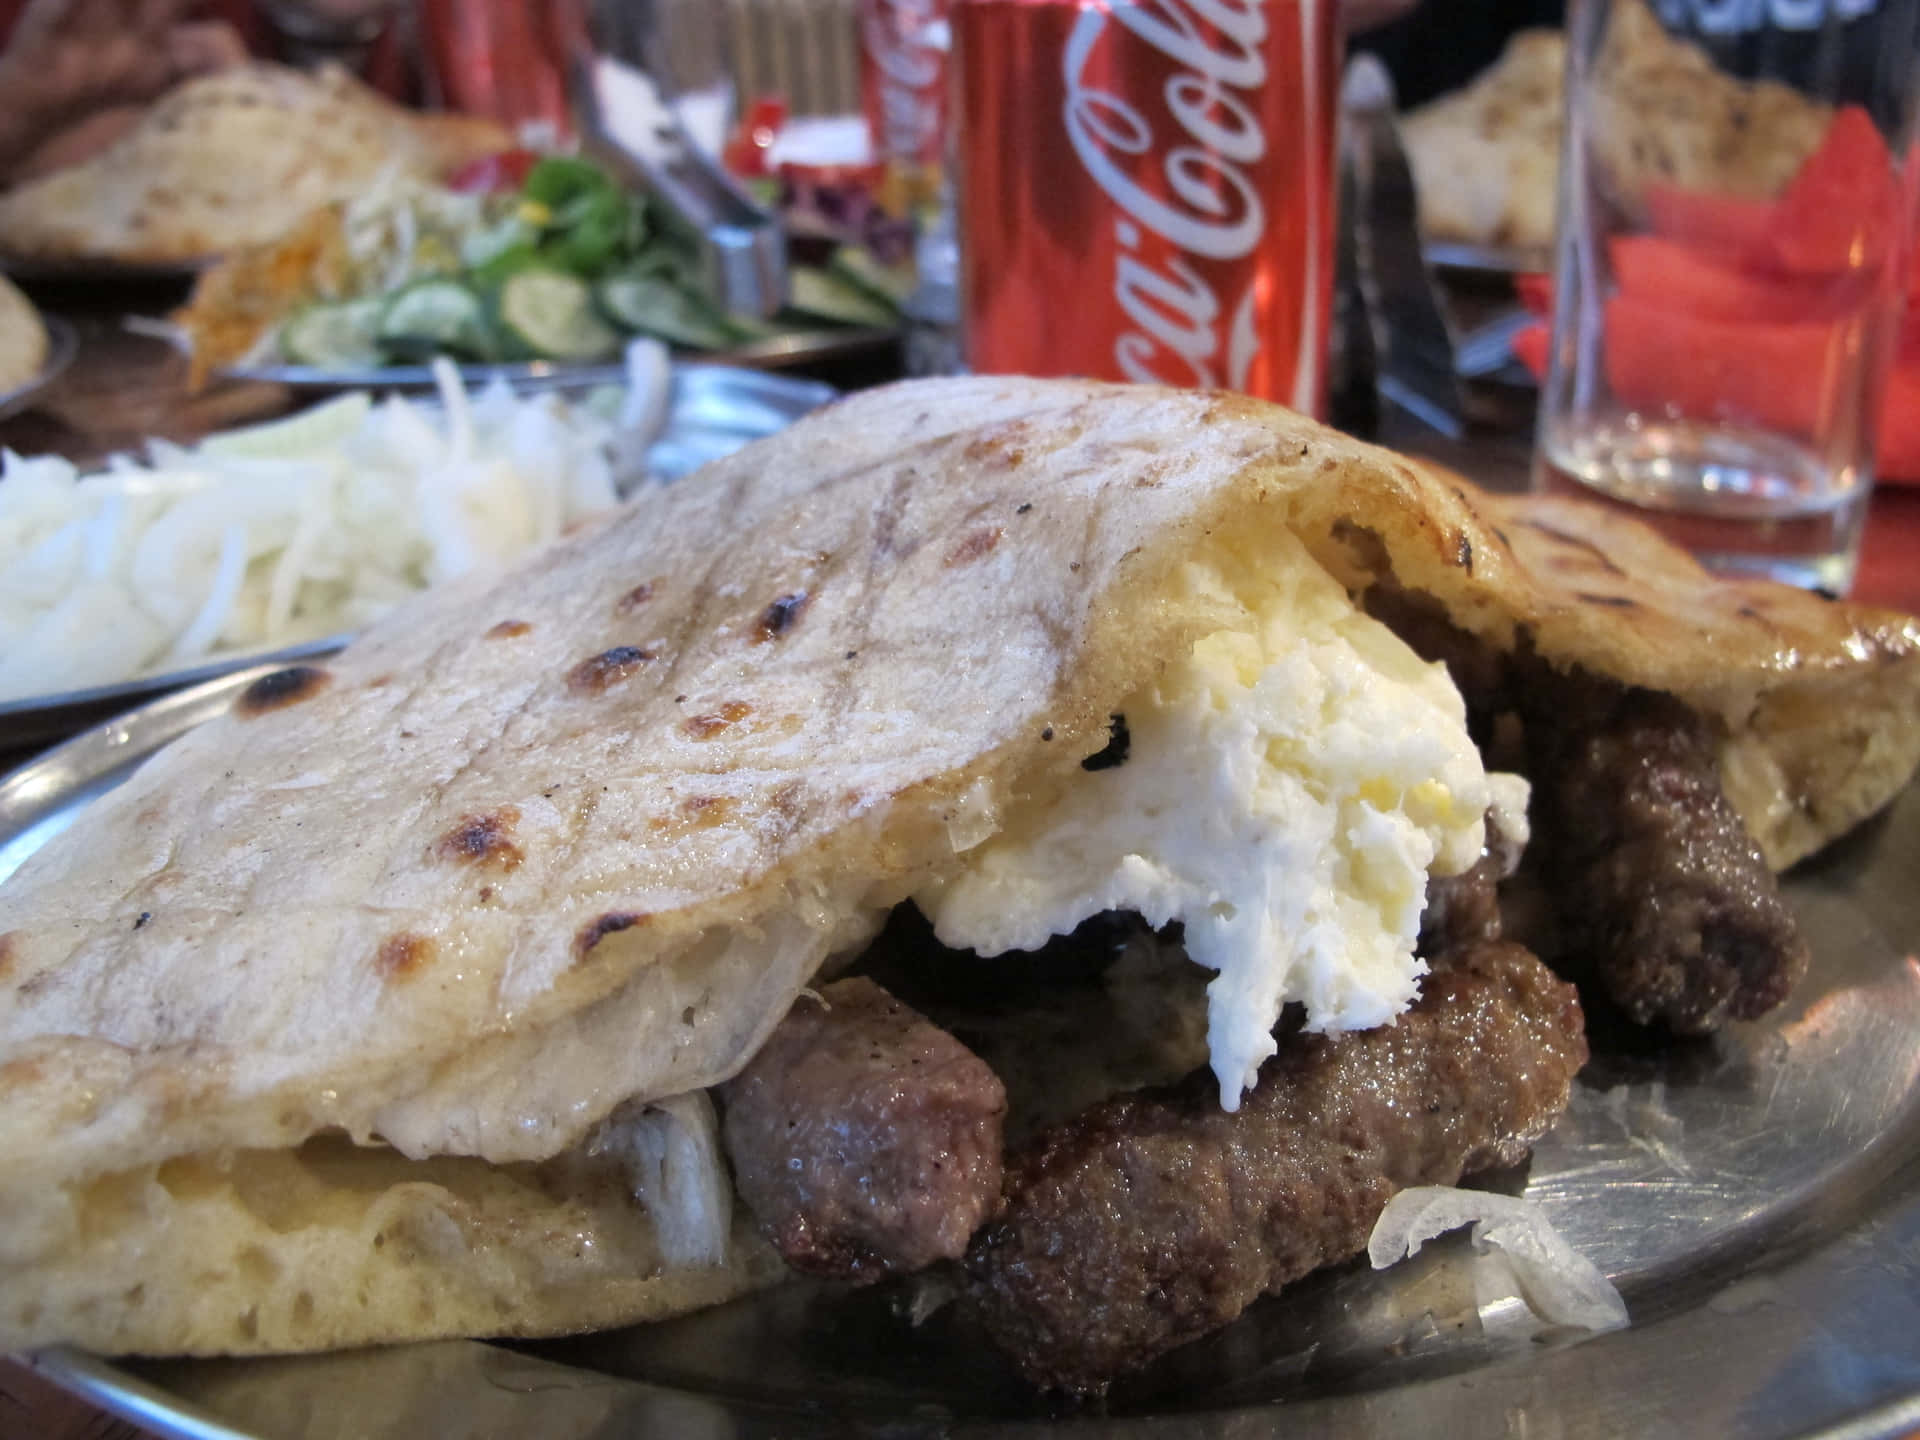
x=296 y=530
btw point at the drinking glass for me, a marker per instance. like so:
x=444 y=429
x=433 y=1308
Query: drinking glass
x=1732 y=264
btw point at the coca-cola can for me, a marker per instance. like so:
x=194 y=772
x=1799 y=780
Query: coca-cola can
x=903 y=79
x=1146 y=190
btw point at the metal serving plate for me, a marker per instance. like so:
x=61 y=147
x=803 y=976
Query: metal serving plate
x=62 y=345
x=777 y=352
x=1501 y=259
x=714 y=410
x=1756 y=1197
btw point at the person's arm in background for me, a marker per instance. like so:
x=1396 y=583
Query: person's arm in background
x=68 y=60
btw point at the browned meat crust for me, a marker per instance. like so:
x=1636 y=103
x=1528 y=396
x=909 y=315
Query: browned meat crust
x=1660 y=889
x=865 y=1139
x=1152 y=1219
x=1464 y=909
x=1659 y=892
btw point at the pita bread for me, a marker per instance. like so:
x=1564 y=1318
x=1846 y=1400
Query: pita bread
x=228 y=160
x=1486 y=159
x=538 y=851
x=1664 y=113
x=23 y=339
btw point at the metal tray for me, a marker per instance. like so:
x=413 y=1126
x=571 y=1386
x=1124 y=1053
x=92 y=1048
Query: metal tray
x=1756 y=1197
x=1500 y=259
x=714 y=410
x=802 y=347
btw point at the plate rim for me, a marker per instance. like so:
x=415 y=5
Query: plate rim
x=774 y=353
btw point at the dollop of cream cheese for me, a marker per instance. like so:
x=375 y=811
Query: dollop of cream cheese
x=1288 y=788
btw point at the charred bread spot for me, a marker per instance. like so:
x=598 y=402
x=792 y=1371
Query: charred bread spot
x=1046 y=732
x=1618 y=602
x=706 y=809
x=634 y=598
x=706 y=726
x=597 y=929
x=1114 y=753
x=1003 y=446
x=1023 y=508
x=401 y=956
x=1578 y=542
x=597 y=673
x=282 y=688
x=484 y=840
x=976 y=546
x=17 y=1074
x=486 y=893
x=508 y=629
x=1365 y=545
x=781 y=616
x=1463 y=552
x=140 y=920
x=1749 y=613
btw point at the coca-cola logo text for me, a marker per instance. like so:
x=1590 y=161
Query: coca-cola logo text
x=901 y=38
x=1211 y=209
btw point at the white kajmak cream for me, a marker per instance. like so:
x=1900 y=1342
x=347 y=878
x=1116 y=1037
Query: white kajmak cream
x=1287 y=789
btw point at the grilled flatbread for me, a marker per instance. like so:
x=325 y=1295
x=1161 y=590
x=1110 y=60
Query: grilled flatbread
x=23 y=339
x=344 y=1019
x=1485 y=158
x=229 y=160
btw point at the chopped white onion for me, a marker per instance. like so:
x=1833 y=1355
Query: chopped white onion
x=1559 y=1284
x=298 y=529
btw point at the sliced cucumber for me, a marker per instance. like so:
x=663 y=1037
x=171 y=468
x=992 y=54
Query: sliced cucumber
x=551 y=313
x=334 y=336
x=856 y=265
x=652 y=304
x=821 y=293
x=434 y=316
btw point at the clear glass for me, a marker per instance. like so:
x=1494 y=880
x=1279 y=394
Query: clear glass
x=1733 y=258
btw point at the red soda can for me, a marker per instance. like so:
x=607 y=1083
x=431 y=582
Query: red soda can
x=903 y=79
x=1146 y=190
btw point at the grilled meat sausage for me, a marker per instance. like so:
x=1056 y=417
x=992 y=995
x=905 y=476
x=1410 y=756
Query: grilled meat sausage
x=1150 y=1220
x=865 y=1139
x=1661 y=892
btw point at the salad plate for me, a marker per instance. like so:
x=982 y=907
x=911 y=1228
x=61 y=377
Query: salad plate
x=800 y=347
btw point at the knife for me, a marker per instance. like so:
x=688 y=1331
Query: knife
x=1413 y=345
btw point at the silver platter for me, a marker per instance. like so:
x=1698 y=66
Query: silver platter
x=713 y=411
x=774 y=353
x=1756 y=1198
x=1502 y=259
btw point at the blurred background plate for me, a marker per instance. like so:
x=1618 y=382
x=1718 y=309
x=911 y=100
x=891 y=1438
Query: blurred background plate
x=62 y=344
x=1496 y=259
x=93 y=268
x=778 y=352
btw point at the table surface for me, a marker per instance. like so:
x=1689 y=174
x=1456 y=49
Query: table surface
x=124 y=387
